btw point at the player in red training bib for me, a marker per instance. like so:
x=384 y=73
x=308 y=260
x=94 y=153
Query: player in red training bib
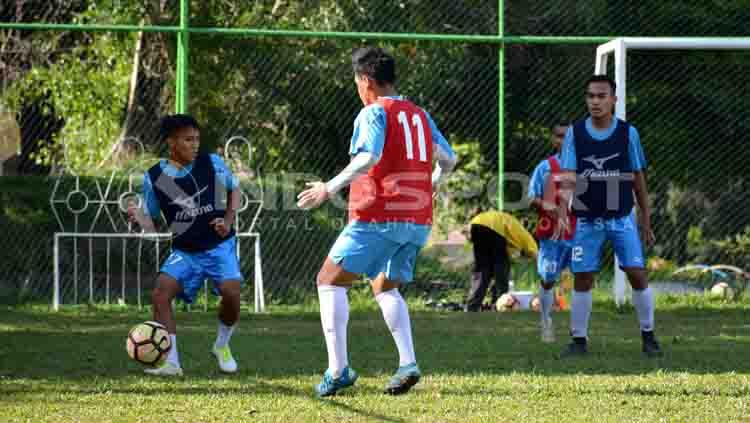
x=390 y=215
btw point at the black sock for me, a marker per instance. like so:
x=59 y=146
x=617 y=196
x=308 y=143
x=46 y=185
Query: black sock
x=579 y=341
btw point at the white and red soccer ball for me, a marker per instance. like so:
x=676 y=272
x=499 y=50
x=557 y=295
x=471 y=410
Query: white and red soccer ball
x=722 y=290
x=148 y=343
x=507 y=302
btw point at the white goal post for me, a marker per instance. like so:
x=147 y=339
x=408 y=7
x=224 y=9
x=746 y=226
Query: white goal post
x=619 y=47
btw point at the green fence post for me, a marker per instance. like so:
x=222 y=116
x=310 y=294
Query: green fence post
x=183 y=39
x=501 y=108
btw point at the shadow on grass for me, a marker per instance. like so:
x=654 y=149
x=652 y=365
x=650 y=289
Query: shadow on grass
x=85 y=345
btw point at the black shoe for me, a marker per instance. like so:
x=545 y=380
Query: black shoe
x=577 y=348
x=651 y=347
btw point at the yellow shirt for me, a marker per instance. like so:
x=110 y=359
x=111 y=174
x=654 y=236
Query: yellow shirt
x=509 y=228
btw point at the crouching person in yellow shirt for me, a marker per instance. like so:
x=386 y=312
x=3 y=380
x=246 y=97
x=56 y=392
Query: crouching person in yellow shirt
x=494 y=236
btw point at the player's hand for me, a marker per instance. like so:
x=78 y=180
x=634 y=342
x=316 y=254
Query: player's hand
x=133 y=211
x=220 y=226
x=562 y=223
x=313 y=196
x=649 y=238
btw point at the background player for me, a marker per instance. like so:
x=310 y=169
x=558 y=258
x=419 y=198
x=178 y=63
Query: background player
x=554 y=254
x=604 y=164
x=494 y=236
x=198 y=197
x=390 y=206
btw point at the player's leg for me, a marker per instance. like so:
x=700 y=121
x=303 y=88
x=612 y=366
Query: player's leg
x=550 y=262
x=500 y=268
x=167 y=288
x=222 y=266
x=176 y=278
x=333 y=281
x=585 y=260
x=356 y=251
x=481 y=239
x=628 y=248
x=385 y=287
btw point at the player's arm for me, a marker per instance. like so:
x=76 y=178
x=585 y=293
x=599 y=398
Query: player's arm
x=567 y=180
x=519 y=237
x=230 y=182
x=536 y=189
x=142 y=215
x=366 y=150
x=443 y=153
x=638 y=165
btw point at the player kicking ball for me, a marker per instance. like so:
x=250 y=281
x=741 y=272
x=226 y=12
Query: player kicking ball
x=554 y=254
x=603 y=165
x=198 y=196
x=390 y=210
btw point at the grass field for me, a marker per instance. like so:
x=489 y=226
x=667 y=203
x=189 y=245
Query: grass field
x=72 y=367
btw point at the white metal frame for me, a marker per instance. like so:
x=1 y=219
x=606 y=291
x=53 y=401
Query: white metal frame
x=259 y=299
x=619 y=48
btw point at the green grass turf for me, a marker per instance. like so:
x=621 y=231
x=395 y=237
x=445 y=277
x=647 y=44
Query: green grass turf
x=72 y=367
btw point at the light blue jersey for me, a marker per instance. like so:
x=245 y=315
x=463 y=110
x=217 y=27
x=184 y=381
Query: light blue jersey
x=539 y=179
x=151 y=203
x=622 y=232
x=637 y=158
x=391 y=248
x=190 y=269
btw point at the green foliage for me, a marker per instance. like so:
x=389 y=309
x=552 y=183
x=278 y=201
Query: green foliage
x=87 y=87
x=466 y=188
x=736 y=249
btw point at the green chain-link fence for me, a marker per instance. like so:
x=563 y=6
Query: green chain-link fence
x=82 y=79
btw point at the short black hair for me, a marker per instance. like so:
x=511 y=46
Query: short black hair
x=374 y=63
x=171 y=123
x=603 y=78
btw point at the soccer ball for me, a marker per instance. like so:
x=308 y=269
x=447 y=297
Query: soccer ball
x=536 y=304
x=722 y=290
x=507 y=302
x=148 y=343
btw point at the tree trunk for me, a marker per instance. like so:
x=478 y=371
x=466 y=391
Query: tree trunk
x=131 y=99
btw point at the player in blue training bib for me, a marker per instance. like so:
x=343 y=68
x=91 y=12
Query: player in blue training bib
x=603 y=165
x=198 y=196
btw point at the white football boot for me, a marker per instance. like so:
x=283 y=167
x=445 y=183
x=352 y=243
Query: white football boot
x=166 y=369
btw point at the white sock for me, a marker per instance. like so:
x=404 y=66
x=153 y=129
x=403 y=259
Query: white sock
x=173 y=358
x=223 y=334
x=643 y=301
x=546 y=298
x=334 y=317
x=580 y=311
x=396 y=316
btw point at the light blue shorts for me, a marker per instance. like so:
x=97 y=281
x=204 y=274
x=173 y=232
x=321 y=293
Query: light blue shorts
x=553 y=258
x=372 y=248
x=590 y=236
x=190 y=269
